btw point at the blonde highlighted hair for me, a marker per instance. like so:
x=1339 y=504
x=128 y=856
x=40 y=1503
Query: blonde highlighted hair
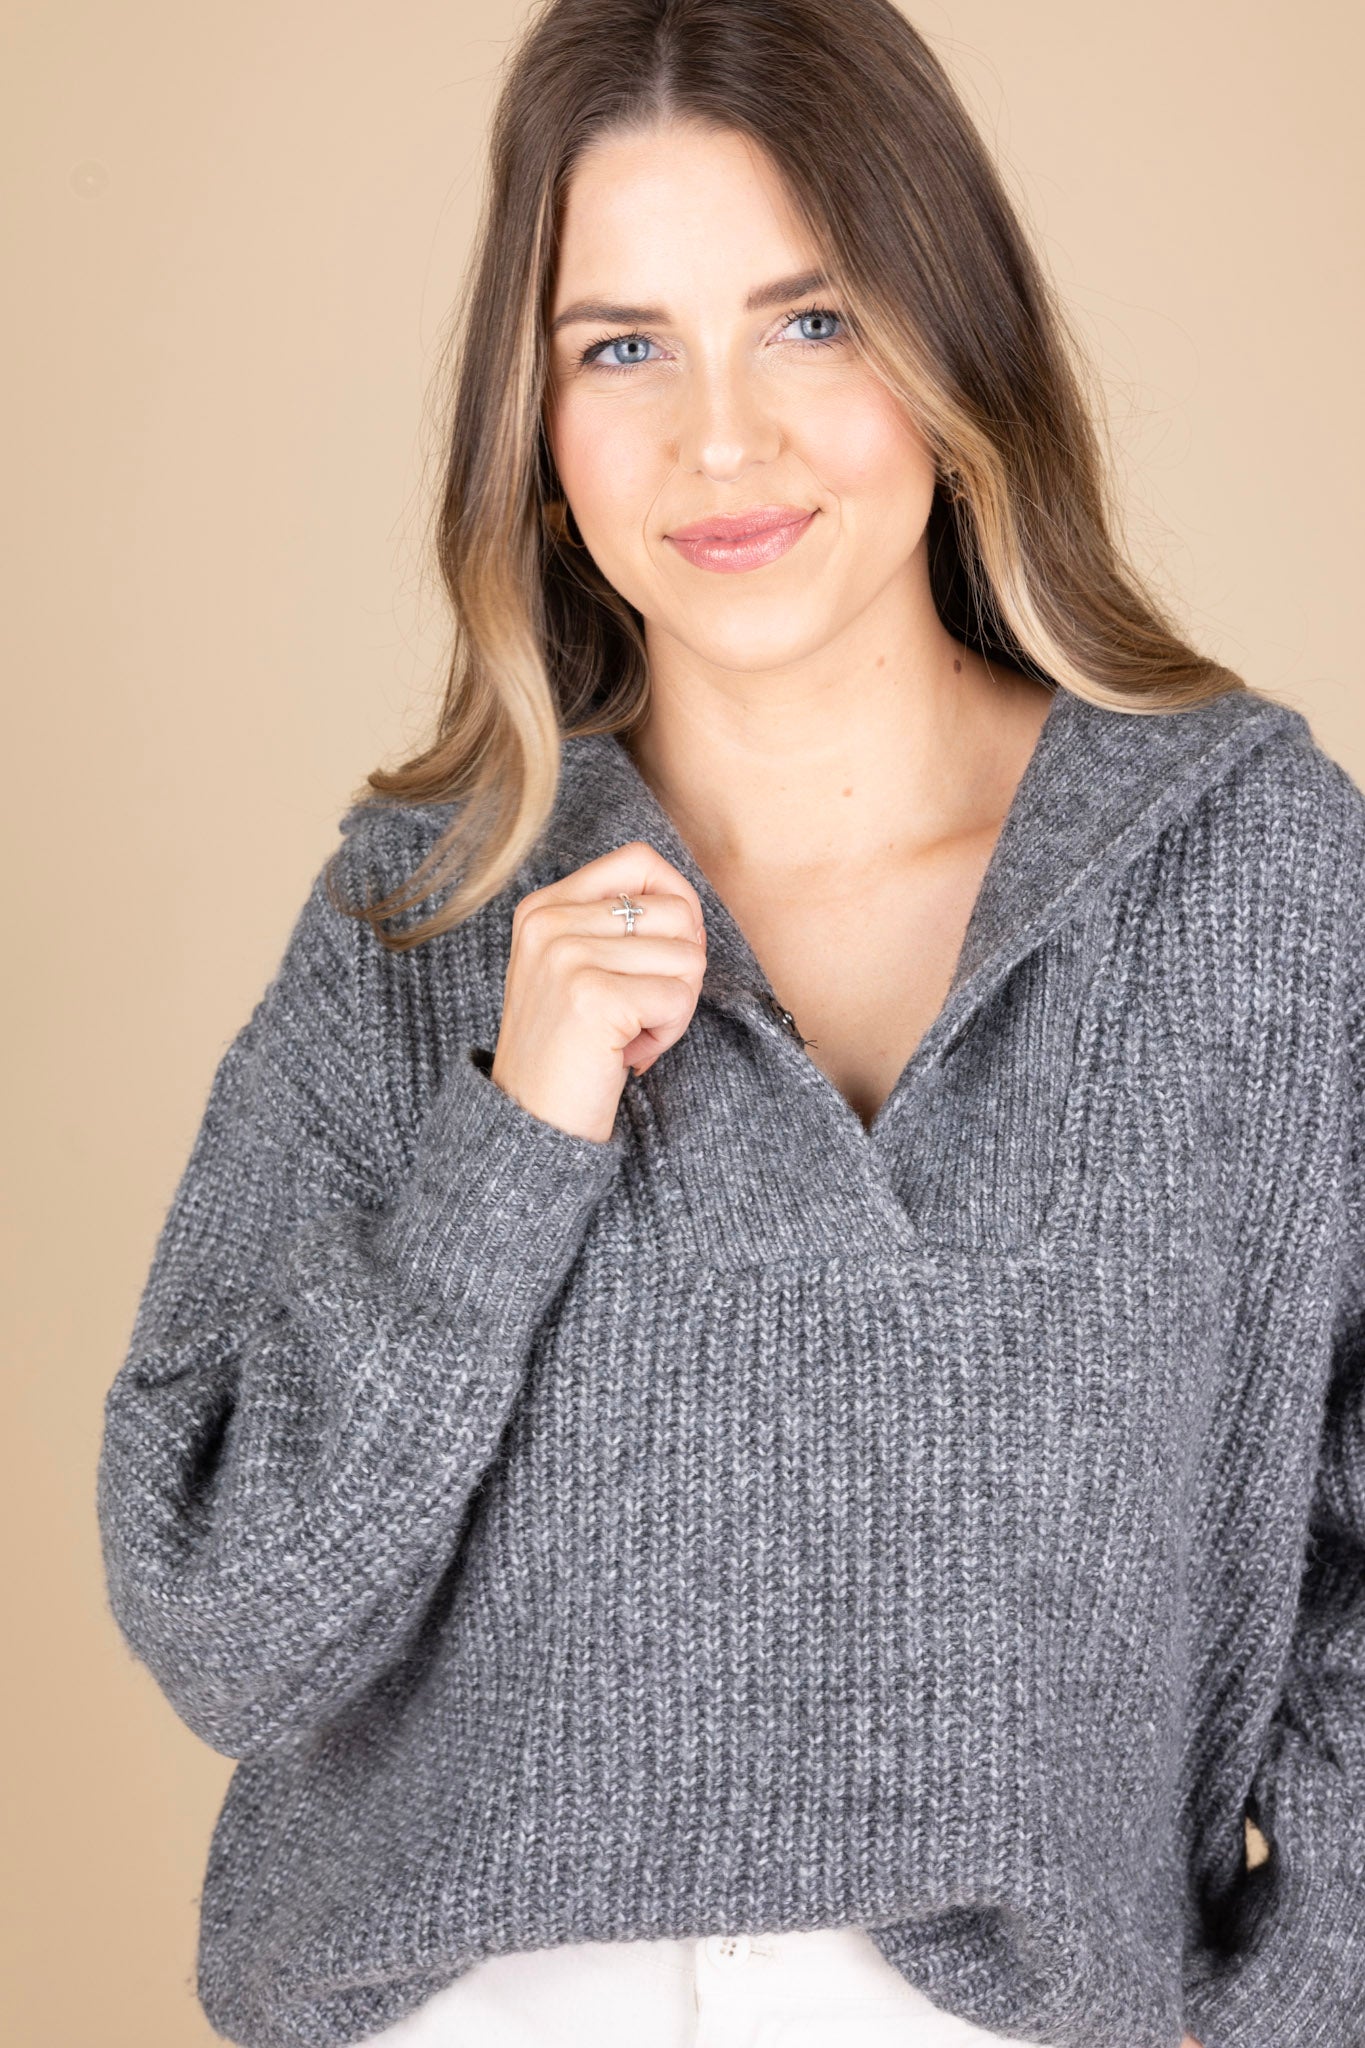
x=913 y=228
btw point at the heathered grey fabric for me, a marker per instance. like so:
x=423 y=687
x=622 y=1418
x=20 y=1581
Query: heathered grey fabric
x=757 y=1522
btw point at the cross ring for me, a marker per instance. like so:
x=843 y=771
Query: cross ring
x=629 y=911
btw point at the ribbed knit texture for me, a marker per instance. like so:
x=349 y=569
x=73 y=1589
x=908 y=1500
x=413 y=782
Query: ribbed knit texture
x=754 y=1522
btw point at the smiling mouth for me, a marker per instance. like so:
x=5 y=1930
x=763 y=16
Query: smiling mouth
x=752 y=546
x=733 y=526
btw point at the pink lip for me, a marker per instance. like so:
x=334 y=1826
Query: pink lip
x=740 y=525
x=745 y=541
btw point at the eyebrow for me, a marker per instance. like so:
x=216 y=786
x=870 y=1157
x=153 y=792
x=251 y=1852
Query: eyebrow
x=758 y=301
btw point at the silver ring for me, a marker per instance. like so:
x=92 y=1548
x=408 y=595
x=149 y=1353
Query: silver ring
x=629 y=911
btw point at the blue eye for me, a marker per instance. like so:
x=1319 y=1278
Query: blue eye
x=591 y=353
x=589 y=357
x=817 y=313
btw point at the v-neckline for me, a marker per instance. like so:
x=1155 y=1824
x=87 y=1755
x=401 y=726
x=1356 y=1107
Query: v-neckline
x=1098 y=784
x=734 y=977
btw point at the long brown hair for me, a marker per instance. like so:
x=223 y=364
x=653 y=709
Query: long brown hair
x=949 y=304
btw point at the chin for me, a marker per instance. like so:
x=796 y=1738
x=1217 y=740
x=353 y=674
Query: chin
x=755 y=653
x=755 y=629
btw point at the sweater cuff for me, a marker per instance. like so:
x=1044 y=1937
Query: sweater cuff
x=1298 y=1980
x=496 y=1195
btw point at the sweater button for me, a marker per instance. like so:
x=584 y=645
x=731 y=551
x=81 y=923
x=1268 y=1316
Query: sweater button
x=727 y=1948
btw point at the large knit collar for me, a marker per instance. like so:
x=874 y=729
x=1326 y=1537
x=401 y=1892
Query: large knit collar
x=1099 y=785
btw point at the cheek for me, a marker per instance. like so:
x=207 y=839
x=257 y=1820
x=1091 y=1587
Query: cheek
x=606 y=458
x=863 y=446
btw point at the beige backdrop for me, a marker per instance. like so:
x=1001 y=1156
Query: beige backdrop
x=232 y=238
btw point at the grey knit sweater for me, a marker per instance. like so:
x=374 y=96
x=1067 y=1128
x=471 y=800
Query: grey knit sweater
x=754 y=1521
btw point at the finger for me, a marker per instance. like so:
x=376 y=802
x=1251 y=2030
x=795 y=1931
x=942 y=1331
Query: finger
x=636 y=867
x=545 y=922
x=646 y=1014
x=574 y=951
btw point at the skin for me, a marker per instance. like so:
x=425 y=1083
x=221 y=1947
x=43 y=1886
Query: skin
x=815 y=732
x=814 y=729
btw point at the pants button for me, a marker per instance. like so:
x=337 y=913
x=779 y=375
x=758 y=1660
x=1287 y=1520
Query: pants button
x=728 y=1948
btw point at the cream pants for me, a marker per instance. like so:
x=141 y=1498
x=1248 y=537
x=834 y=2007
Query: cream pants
x=819 y=1988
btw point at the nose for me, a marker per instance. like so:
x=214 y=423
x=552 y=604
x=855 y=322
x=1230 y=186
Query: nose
x=724 y=423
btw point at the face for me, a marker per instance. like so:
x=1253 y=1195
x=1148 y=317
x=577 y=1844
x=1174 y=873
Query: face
x=697 y=373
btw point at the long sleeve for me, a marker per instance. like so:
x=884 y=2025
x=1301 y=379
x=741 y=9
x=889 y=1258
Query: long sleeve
x=322 y=1362
x=1299 y=1970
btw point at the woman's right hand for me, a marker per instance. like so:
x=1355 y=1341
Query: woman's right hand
x=584 y=1000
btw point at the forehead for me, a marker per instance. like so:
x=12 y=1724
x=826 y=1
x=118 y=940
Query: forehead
x=661 y=212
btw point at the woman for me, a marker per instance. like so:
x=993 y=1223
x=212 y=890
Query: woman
x=728 y=1424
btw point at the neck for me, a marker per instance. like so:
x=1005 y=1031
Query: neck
x=840 y=765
